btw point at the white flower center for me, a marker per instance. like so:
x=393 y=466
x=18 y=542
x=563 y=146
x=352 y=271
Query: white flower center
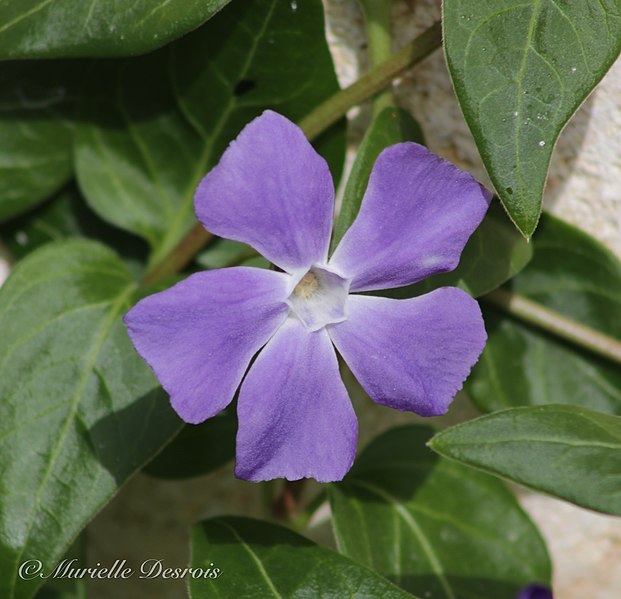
x=320 y=298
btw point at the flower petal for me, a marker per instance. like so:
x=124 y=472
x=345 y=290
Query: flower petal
x=412 y=354
x=415 y=219
x=200 y=335
x=535 y=591
x=272 y=191
x=295 y=417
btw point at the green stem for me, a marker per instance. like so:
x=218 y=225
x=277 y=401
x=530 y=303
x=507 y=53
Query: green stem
x=313 y=125
x=181 y=256
x=377 y=16
x=554 y=323
x=375 y=80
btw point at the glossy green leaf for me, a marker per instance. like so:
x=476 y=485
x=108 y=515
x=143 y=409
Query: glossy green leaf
x=197 y=449
x=67 y=215
x=495 y=253
x=520 y=70
x=261 y=560
x=566 y=451
x=153 y=126
x=576 y=276
x=52 y=28
x=80 y=411
x=389 y=127
x=36 y=102
x=432 y=526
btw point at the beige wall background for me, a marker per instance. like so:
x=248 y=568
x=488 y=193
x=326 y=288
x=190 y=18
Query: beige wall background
x=149 y=518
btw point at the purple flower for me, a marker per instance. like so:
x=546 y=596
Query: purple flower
x=273 y=191
x=535 y=591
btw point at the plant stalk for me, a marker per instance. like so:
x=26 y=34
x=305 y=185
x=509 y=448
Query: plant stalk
x=181 y=256
x=552 y=322
x=375 y=80
x=377 y=17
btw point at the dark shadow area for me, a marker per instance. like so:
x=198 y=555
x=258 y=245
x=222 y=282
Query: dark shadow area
x=197 y=449
x=244 y=86
x=126 y=439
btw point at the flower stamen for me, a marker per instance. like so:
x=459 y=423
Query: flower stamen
x=307 y=285
x=319 y=298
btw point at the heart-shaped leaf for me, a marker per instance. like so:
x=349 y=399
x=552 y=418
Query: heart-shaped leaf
x=80 y=411
x=520 y=71
x=248 y=559
x=566 y=451
x=434 y=527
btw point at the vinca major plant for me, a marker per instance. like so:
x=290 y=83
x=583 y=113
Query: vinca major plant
x=200 y=286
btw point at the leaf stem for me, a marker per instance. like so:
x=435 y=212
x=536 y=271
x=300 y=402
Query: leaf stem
x=313 y=125
x=377 y=17
x=181 y=256
x=553 y=322
x=375 y=80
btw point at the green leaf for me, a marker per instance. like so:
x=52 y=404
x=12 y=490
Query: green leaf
x=153 y=126
x=495 y=253
x=520 y=71
x=391 y=126
x=566 y=451
x=80 y=411
x=577 y=277
x=225 y=252
x=67 y=215
x=197 y=449
x=53 y=28
x=259 y=560
x=36 y=103
x=434 y=527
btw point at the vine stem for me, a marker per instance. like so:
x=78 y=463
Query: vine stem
x=552 y=322
x=377 y=17
x=375 y=80
x=181 y=256
x=314 y=124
